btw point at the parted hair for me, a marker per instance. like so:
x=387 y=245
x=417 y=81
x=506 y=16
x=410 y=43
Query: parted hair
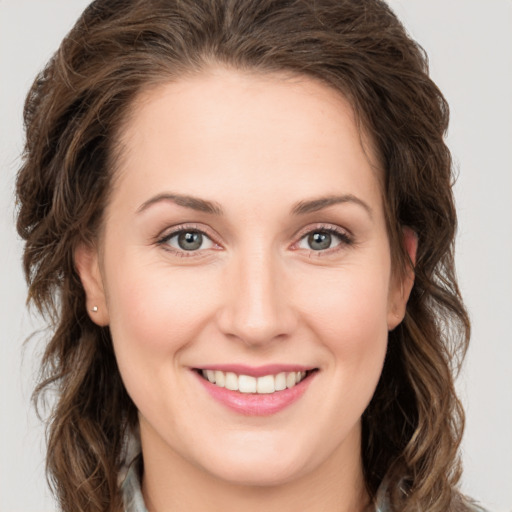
x=73 y=116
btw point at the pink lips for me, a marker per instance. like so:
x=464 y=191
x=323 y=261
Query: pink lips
x=252 y=404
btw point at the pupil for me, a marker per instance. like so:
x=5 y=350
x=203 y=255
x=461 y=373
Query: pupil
x=190 y=241
x=319 y=241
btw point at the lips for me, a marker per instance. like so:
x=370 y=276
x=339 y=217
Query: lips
x=256 y=390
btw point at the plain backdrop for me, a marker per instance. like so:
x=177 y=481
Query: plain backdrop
x=470 y=47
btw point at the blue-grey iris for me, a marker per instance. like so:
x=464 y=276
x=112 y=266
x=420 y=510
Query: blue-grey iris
x=319 y=241
x=190 y=241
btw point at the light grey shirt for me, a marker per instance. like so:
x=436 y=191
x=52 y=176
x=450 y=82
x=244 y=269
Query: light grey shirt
x=130 y=489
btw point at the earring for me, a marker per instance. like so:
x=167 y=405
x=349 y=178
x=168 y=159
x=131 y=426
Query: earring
x=94 y=309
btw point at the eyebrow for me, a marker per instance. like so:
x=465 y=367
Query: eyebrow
x=214 y=208
x=194 y=203
x=314 y=205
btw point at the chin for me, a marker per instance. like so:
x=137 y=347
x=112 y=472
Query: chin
x=265 y=474
x=249 y=463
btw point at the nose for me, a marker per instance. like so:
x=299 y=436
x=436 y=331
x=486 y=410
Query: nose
x=257 y=307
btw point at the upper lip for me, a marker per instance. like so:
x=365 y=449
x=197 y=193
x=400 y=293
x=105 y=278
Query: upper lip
x=257 y=371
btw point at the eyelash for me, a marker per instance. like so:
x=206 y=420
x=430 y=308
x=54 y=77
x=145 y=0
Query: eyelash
x=345 y=239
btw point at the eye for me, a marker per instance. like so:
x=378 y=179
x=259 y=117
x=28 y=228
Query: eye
x=323 y=239
x=188 y=240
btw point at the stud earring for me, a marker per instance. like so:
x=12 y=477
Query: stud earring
x=94 y=309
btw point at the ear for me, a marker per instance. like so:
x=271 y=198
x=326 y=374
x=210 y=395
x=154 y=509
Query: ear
x=87 y=265
x=402 y=284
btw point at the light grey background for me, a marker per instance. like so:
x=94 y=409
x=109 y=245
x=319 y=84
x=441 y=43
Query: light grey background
x=470 y=47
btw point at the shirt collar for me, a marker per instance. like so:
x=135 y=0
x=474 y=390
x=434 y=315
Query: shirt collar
x=130 y=487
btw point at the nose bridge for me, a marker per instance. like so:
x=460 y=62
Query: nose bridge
x=257 y=309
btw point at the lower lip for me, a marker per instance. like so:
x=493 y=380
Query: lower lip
x=252 y=404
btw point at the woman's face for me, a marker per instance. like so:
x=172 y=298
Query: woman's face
x=245 y=241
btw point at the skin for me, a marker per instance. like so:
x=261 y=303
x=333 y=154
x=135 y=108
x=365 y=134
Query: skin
x=254 y=293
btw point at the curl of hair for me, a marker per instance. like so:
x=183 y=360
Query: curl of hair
x=73 y=114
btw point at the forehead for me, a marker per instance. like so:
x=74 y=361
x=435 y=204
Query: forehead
x=257 y=130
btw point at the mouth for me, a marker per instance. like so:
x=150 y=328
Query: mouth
x=256 y=390
x=266 y=384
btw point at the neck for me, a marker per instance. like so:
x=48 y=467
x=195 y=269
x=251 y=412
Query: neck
x=173 y=483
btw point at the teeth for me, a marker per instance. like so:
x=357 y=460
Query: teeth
x=291 y=379
x=280 y=381
x=247 y=384
x=220 y=379
x=231 y=381
x=266 y=384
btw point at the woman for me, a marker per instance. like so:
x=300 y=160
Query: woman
x=239 y=217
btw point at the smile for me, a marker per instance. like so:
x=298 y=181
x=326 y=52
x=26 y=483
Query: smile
x=265 y=384
x=255 y=391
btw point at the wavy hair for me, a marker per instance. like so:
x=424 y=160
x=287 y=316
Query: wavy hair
x=73 y=114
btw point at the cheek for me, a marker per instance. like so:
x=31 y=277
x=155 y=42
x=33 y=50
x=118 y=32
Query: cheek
x=349 y=318
x=154 y=313
x=349 y=304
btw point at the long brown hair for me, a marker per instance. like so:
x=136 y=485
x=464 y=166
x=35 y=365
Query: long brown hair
x=73 y=113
